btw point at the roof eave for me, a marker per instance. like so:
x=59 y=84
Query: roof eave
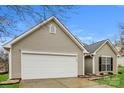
x=7 y=46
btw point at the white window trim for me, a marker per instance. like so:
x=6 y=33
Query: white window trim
x=106 y=61
x=105 y=56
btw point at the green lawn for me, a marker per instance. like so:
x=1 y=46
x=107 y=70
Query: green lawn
x=115 y=80
x=4 y=77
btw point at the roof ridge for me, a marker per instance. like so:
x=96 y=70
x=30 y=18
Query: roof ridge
x=98 y=42
x=93 y=47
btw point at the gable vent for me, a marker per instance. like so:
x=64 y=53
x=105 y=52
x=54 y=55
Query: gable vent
x=52 y=29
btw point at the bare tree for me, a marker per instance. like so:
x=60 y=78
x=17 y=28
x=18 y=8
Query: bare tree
x=120 y=39
x=3 y=61
x=3 y=55
x=11 y=15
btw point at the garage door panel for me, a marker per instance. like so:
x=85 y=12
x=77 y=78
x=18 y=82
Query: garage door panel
x=48 y=66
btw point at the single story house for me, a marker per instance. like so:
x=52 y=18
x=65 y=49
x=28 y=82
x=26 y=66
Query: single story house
x=49 y=50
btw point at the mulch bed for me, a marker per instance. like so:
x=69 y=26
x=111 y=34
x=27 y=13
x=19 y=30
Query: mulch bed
x=97 y=77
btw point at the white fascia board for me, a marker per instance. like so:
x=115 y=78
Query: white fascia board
x=114 y=49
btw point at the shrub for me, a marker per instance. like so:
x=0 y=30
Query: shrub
x=119 y=72
x=110 y=73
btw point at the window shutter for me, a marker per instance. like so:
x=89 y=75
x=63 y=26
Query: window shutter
x=100 y=63
x=111 y=64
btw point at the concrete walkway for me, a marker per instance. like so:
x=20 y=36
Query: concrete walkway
x=61 y=83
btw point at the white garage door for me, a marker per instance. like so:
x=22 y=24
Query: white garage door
x=38 y=66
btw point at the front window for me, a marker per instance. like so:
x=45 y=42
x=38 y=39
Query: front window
x=106 y=64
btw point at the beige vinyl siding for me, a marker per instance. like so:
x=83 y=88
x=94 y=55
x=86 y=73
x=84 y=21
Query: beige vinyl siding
x=105 y=51
x=43 y=41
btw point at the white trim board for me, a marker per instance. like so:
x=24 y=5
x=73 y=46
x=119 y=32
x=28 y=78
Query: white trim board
x=46 y=53
x=105 y=56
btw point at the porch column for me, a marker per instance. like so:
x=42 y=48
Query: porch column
x=83 y=65
x=10 y=64
x=93 y=61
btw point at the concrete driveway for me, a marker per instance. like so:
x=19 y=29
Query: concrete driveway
x=60 y=83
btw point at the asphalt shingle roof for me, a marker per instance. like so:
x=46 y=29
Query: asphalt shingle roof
x=93 y=47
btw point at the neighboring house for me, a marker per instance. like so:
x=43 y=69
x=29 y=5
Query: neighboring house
x=102 y=58
x=3 y=61
x=3 y=66
x=120 y=59
x=49 y=50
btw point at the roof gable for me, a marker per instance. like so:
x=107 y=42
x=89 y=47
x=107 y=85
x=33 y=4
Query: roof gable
x=94 y=48
x=76 y=41
x=111 y=46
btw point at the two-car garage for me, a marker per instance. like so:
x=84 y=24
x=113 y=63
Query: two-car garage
x=39 y=65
